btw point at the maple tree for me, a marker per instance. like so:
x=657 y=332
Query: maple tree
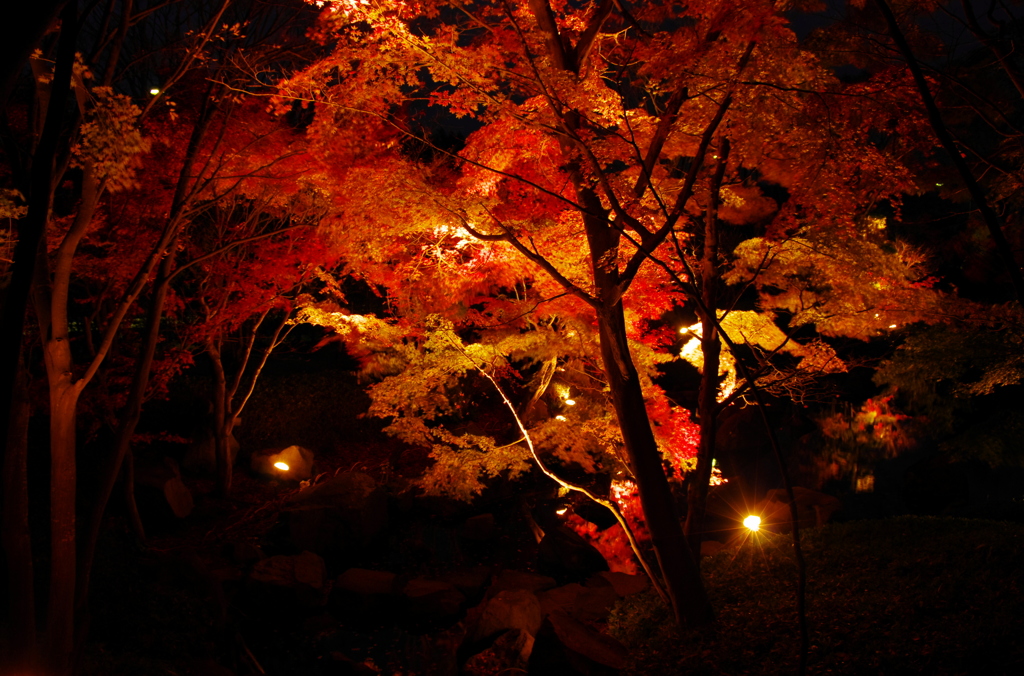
x=605 y=149
x=108 y=238
x=960 y=57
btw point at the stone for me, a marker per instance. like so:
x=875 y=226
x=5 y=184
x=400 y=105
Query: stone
x=479 y=528
x=337 y=518
x=432 y=599
x=292 y=463
x=164 y=480
x=303 y=574
x=366 y=582
x=201 y=456
x=564 y=554
x=353 y=491
x=469 y=581
x=245 y=553
x=510 y=653
x=517 y=579
x=814 y=509
x=624 y=584
x=509 y=609
x=587 y=604
x=588 y=643
x=710 y=547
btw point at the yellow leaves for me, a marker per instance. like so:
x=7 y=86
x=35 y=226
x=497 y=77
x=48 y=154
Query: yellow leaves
x=759 y=331
x=110 y=142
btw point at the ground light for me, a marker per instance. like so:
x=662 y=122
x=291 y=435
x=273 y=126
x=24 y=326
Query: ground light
x=283 y=466
x=752 y=522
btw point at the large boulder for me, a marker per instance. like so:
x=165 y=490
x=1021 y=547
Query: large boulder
x=813 y=509
x=292 y=463
x=337 y=518
x=366 y=582
x=587 y=604
x=563 y=554
x=509 y=609
x=201 y=456
x=588 y=650
x=301 y=578
x=161 y=484
x=517 y=579
x=432 y=599
x=510 y=653
x=469 y=581
x=624 y=584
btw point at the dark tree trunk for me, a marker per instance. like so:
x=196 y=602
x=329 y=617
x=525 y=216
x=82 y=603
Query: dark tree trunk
x=18 y=641
x=220 y=432
x=711 y=349
x=681 y=574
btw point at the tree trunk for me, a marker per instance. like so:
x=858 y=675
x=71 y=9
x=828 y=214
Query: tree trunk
x=220 y=430
x=711 y=349
x=60 y=609
x=988 y=215
x=32 y=228
x=18 y=641
x=682 y=576
x=679 y=570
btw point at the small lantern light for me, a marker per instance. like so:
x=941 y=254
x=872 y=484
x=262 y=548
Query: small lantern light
x=283 y=466
x=753 y=522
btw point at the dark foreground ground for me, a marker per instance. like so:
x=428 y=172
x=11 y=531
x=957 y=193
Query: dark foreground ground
x=909 y=595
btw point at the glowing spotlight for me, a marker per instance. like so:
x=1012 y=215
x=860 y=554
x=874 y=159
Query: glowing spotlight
x=561 y=417
x=892 y=326
x=561 y=511
x=283 y=466
x=752 y=522
x=570 y=402
x=154 y=91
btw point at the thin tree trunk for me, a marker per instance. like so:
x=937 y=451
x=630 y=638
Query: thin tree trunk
x=220 y=438
x=129 y=420
x=19 y=639
x=128 y=483
x=63 y=483
x=32 y=228
x=140 y=380
x=988 y=214
x=711 y=349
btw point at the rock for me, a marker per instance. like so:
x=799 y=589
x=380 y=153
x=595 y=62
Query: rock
x=293 y=463
x=516 y=579
x=587 y=604
x=209 y=667
x=624 y=584
x=588 y=644
x=564 y=554
x=201 y=456
x=469 y=581
x=164 y=480
x=343 y=665
x=305 y=575
x=245 y=553
x=432 y=599
x=710 y=547
x=366 y=582
x=479 y=528
x=437 y=654
x=508 y=654
x=509 y=609
x=337 y=518
x=813 y=509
